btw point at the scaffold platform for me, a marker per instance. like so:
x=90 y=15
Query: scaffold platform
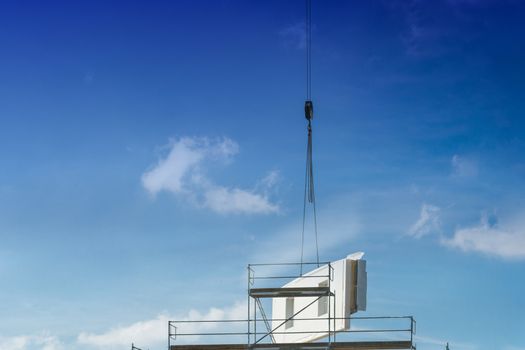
x=358 y=345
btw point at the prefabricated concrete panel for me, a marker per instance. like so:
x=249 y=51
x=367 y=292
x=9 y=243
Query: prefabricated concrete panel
x=348 y=280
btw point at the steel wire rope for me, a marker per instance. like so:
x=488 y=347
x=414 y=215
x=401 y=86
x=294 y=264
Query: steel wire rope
x=309 y=189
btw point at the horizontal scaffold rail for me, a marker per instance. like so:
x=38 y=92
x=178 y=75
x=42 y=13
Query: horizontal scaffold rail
x=358 y=345
x=290 y=292
x=370 y=332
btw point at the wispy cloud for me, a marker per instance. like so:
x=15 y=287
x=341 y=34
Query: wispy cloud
x=421 y=36
x=182 y=172
x=490 y=239
x=463 y=167
x=269 y=181
x=225 y=200
x=418 y=34
x=148 y=332
x=294 y=36
x=435 y=343
x=88 y=78
x=31 y=342
x=512 y=347
x=153 y=332
x=472 y=2
x=338 y=226
x=338 y=229
x=428 y=222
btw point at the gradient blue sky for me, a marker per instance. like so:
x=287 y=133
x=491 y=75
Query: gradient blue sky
x=128 y=129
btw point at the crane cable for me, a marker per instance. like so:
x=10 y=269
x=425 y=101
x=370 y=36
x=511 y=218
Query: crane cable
x=309 y=192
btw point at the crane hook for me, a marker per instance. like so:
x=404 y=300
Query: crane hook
x=309 y=110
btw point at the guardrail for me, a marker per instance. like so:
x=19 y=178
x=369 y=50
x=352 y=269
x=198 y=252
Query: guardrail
x=267 y=272
x=384 y=328
x=259 y=332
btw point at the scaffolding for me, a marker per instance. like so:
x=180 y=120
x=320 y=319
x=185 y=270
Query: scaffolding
x=255 y=294
x=260 y=332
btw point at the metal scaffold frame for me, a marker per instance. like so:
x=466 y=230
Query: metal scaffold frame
x=287 y=292
x=206 y=330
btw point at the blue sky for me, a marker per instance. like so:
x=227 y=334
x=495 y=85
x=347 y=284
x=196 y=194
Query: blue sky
x=150 y=151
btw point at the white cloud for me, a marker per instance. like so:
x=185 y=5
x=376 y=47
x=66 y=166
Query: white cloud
x=512 y=347
x=169 y=172
x=294 y=36
x=153 y=332
x=490 y=239
x=149 y=332
x=439 y=344
x=338 y=229
x=463 y=167
x=31 y=342
x=14 y=343
x=270 y=180
x=428 y=222
x=223 y=200
x=420 y=37
x=468 y=2
x=182 y=173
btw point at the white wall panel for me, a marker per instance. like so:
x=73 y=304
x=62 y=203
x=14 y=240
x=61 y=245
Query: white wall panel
x=350 y=296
